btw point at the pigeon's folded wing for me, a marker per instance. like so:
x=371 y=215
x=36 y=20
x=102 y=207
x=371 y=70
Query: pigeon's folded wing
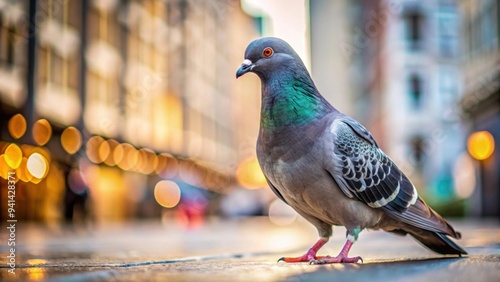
x=363 y=171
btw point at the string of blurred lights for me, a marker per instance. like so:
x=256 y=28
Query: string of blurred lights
x=32 y=163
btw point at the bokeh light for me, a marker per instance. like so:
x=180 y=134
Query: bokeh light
x=138 y=163
x=22 y=171
x=147 y=157
x=250 y=175
x=42 y=131
x=160 y=164
x=167 y=193
x=104 y=151
x=481 y=145
x=131 y=156
x=281 y=213
x=464 y=176
x=71 y=140
x=35 y=180
x=92 y=149
x=13 y=156
x=125 y=156
x=110 y=159
x=171 y=166
x=17 y=126
x=4 y=168
x=37 y=165
x=118 y=153
x=76 y=182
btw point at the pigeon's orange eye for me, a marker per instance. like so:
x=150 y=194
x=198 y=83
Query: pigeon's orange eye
x=268 y=52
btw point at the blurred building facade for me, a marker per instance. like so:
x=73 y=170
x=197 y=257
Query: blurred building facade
x=396 y=69
x=480 y=104
x=147 y=85
x=331 y=24
x=422 y=85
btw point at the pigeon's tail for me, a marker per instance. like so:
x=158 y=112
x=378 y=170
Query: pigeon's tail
x=428 y=227
x=437 y=242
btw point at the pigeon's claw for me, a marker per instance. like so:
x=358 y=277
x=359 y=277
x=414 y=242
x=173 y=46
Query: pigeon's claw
x=310 y=255
x=337 y=259
x=305 y=258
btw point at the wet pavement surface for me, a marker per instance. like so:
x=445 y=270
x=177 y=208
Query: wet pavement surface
x=237 y=250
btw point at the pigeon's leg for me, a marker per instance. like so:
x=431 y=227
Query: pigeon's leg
x=342 y=257
x=310 y=255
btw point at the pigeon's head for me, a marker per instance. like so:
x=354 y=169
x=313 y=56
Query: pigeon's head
x=264 y=56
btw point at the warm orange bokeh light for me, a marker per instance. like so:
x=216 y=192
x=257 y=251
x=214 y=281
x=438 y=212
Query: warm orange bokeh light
x=37 y=165
x=13 y=156
x=250 y=175
x=118 y=153
x=167 y=193
x=42 y=131
x=160 y=163
x=22 y=171
x=481 y=145
x=110 y=159
x=125 y=156
x=104 y=151
x=4 y=168
x=71 y=140
x=132 y=156
x=92 y=149
x=146 y=164
x=17 y=126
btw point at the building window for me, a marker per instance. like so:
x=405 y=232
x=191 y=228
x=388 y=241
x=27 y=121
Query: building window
x=485 y=29
x=448 y=39
x=414 y=24
x=417 y=154
x=415 y=91
x=7 y=42
x=448 y=81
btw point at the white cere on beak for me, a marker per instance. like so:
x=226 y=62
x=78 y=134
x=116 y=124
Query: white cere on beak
x=247 y=62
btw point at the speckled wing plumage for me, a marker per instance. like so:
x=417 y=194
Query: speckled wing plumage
x=363 y=171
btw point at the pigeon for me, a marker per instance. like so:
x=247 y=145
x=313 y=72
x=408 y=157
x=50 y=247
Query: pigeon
x=327 y=166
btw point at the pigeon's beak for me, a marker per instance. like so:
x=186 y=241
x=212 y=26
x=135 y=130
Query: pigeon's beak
x=245 y=67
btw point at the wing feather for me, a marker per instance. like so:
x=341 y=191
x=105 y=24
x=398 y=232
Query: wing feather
x=365 y=172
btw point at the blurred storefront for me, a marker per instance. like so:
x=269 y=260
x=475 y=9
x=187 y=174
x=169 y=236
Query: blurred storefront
x=480 y=104
x=102 y=100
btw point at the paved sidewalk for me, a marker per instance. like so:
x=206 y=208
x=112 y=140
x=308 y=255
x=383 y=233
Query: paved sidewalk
x=237 y=250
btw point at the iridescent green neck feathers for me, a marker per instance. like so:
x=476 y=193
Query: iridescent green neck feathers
x=291 y=102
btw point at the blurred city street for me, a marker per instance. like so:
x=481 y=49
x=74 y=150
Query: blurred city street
x=239 y=250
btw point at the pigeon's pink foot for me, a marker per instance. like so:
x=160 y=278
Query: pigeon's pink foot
x=305 y=258
x=310 y=255
x=341 y=258
x=337 y=259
